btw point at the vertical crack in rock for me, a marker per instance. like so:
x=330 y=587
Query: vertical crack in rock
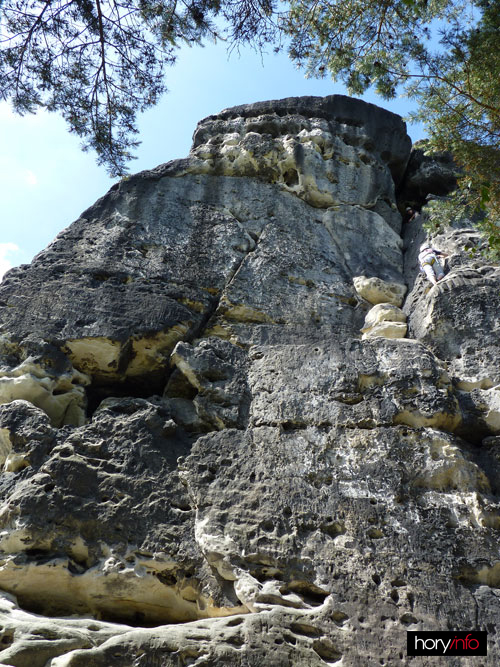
x=216 y=301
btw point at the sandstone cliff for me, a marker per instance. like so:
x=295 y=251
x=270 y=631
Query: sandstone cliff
x=236 y=427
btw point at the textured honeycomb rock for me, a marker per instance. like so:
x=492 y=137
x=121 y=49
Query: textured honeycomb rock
x=212 y=449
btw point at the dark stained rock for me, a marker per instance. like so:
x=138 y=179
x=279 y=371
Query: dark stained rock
x=427 y=174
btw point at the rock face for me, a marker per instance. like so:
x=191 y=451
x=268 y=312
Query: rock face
x=434 y=174
x=217 y=445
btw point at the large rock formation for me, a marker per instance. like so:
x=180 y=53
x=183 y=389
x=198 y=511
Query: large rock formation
x=218 y=446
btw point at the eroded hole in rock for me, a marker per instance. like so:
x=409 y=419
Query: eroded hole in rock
x=293 y=426
x=333 y=529
x=310 y=593
x=235 y=641
x=138 y=367
x=234 y=622
x=408 y=619
x=484 y=574
x=473 y=432
x=39 y=555
x=181 y=506
x=267 y=525
x=305 y=629
x=266 y=573
x=46 y=633
x=291 y=177
x=339 y=618
x=167 y=578
x=144 y=386
x=327 y=650
x=6 y=639
x=398 y=582
x=274 y=599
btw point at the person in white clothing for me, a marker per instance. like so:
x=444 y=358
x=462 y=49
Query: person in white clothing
x=429 y=263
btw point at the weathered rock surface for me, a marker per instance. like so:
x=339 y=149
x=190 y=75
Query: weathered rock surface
x=426 y=174
x=377 y=291
x=385 y=320
x=213 y=449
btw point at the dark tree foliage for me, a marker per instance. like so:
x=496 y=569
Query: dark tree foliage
x=442 y=53
x=100 y=62
x=463 y=115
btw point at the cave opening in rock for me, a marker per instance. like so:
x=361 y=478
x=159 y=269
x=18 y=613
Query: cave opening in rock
x=145 y=386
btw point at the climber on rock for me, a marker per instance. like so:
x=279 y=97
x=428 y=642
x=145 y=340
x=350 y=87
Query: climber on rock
x=429 y=262
x=411 y=214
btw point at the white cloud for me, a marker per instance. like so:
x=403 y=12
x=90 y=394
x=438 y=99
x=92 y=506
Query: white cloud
x=30 y=177
x=5 y=264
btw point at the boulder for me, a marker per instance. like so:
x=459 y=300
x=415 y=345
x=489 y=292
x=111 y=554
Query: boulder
x=375 y=290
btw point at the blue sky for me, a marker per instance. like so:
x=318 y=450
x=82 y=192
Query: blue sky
x=46 y=181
